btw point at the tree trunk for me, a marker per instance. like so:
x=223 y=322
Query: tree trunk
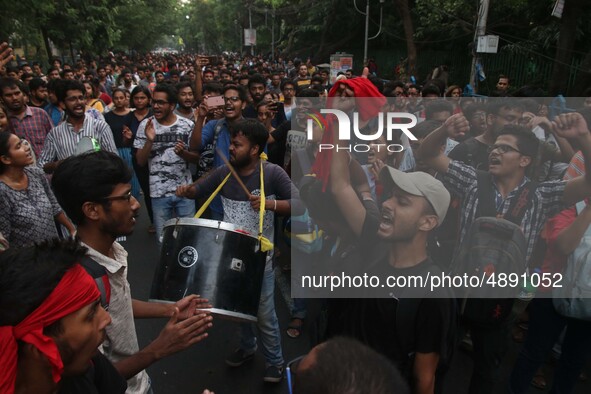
x=325 y=29
x=566 y=41
x=409 y=33
x=583 y=81
x=47 y=46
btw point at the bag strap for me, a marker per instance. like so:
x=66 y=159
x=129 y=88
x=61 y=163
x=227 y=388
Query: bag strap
x=98 y=273
x=486 y=200
x=218 y=129
x=521 y=203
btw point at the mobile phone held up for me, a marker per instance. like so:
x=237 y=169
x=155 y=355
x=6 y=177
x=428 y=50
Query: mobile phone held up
x=215 y=101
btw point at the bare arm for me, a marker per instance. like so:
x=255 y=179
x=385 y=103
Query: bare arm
x=424 y=368
x=176 y=336
x=63 y=220
x=430 y=150
x=143 y=154
x=573 y=126
x=196 y=136
x=569 y=238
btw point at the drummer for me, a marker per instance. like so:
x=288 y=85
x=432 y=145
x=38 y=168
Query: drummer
x=62 y=140
x=95 y=191
x=248 y=140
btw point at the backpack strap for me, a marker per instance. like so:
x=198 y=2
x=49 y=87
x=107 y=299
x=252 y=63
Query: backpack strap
x=486 y=201
x=217 y=130
x=99 y=274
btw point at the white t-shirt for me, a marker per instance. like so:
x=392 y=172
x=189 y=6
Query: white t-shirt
x=167 y=169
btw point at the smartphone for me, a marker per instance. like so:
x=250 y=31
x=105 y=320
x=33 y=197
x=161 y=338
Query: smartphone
x=215 y=101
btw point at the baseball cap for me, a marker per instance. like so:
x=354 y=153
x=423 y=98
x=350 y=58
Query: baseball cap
x=419 y=184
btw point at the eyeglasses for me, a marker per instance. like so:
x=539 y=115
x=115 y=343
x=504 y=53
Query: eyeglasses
x=291 y=370
x=502 y=148
x=73 y=99
x=289 y=89
x=127 y=196
x=159 y=103
x=232 y=99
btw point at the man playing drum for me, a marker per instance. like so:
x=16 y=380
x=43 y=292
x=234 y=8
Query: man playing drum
x=275 y=190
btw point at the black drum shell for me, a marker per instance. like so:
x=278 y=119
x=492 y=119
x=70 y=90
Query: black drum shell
x=213 y=259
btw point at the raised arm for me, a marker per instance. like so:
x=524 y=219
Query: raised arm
x=430 y=149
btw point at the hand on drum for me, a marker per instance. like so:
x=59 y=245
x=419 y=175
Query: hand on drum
x=187 y=191
x=178 y=335
x=190 y=306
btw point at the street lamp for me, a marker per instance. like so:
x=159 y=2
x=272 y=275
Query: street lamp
x=366 y=13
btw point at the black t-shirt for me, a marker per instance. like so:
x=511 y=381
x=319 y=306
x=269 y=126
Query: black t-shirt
x=116 y=122
x=100 y=378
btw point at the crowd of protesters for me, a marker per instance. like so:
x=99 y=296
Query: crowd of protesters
x=81 y=144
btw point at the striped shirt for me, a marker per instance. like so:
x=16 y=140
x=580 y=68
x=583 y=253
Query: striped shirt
x=62 y=140
x=34 y=127
x=461 y=181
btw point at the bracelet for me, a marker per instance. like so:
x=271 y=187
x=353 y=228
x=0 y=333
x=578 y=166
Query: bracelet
x=275 y=206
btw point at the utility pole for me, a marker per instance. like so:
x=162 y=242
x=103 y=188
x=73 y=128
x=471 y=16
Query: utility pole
x=366 y=32
x=250 y=27
x=480 y=31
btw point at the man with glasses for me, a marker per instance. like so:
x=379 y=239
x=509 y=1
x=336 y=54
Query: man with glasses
x=514 y=150
x=95 y=191
x=62 y=140
x=288 y=88
x=161 y=143
x=214 y=137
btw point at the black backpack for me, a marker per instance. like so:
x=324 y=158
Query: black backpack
x=492 y=245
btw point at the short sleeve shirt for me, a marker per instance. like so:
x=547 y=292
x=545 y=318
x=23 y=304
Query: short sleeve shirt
x=167 y=169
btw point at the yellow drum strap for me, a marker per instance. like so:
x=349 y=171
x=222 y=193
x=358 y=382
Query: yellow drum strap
x=215 y=193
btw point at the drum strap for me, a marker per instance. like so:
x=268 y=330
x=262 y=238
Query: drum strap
x=266 y=244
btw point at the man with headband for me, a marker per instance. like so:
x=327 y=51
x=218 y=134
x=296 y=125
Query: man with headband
x=51 y=323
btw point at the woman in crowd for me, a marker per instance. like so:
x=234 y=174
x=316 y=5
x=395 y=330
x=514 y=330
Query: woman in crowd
x=28 y=207
x=118 y=120
x=92 y=97
x=140 y=100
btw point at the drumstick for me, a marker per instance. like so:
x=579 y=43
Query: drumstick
x=233 y=171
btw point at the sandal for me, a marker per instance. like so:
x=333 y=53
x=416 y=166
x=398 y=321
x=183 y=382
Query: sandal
x=539 y=380
x=294 y=329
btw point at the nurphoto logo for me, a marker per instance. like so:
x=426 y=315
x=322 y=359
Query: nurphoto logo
x=344 y=130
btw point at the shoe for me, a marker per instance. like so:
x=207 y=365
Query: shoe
x=273 y=374
x=239 y=357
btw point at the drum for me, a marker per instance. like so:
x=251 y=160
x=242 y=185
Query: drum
x=216 y=260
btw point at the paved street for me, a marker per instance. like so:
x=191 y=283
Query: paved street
x=203 y=365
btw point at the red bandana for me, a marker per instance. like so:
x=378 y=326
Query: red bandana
x=76 y=290
x=368 y=108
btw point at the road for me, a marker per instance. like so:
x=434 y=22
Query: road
x=203 y=365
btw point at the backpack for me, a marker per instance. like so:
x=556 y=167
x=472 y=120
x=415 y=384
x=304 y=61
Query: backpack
x=101 y=278
x=492 y=246
x=208 y=152
x=573 y=299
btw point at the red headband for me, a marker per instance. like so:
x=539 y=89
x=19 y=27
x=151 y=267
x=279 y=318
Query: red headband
x=76 y=290
x=368 y=107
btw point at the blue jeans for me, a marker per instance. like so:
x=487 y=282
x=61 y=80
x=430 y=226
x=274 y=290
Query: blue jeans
x=545 y=326
x=268 y=325
x=163 y=208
